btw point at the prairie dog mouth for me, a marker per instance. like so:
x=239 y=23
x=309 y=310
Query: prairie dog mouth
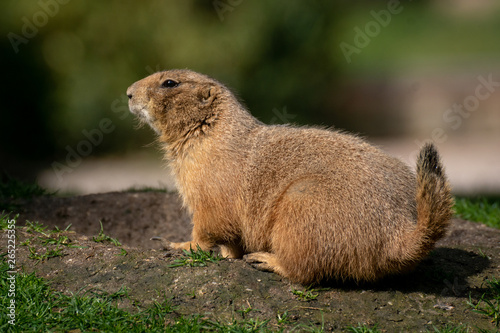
x=143 y=115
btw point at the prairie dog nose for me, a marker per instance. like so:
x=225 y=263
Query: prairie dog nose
x=130 y=91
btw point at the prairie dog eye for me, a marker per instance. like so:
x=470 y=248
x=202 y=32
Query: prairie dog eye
x=169 y=83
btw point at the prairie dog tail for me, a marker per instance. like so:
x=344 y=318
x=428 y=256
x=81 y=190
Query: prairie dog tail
x=434 y=211
x=434 y=200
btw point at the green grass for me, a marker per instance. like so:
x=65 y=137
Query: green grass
x=362 y=329
x=49 y=253
x=47 y=238
x=305 y=295
x=36 y=227
x=485 y=210
x=40 y=309
x=489 y=303
x=445 y=329
x=283 y=318
x=12 y=188
x=102 y=237
x=5 y=220
x=196 y=258
x=451 y=329
x=58 y=240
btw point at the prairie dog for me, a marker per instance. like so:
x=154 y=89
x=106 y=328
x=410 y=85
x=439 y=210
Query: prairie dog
x=309 y=204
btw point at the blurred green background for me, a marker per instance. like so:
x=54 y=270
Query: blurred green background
x=67 y=64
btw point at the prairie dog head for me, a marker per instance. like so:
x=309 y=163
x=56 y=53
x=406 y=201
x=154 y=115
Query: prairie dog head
x=175 y=103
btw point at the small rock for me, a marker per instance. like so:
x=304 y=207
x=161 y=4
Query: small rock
x=446 y=307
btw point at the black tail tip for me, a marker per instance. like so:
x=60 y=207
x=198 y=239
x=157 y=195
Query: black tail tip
x=428 y=160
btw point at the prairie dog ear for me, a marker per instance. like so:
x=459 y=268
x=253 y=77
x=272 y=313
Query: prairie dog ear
x=207 y=95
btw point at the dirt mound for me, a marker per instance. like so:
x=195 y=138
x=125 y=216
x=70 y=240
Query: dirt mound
x=435 y=294
x=131 y=217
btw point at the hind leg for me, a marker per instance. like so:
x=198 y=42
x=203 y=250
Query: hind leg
x=301 y=239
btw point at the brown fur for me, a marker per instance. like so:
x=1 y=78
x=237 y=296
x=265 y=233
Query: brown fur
x=307 y=203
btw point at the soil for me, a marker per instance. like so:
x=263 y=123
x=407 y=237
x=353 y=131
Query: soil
x=436 y=293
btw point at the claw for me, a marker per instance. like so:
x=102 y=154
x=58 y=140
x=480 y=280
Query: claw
x=251 y=259
x=164 y=243
x=264 y=261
